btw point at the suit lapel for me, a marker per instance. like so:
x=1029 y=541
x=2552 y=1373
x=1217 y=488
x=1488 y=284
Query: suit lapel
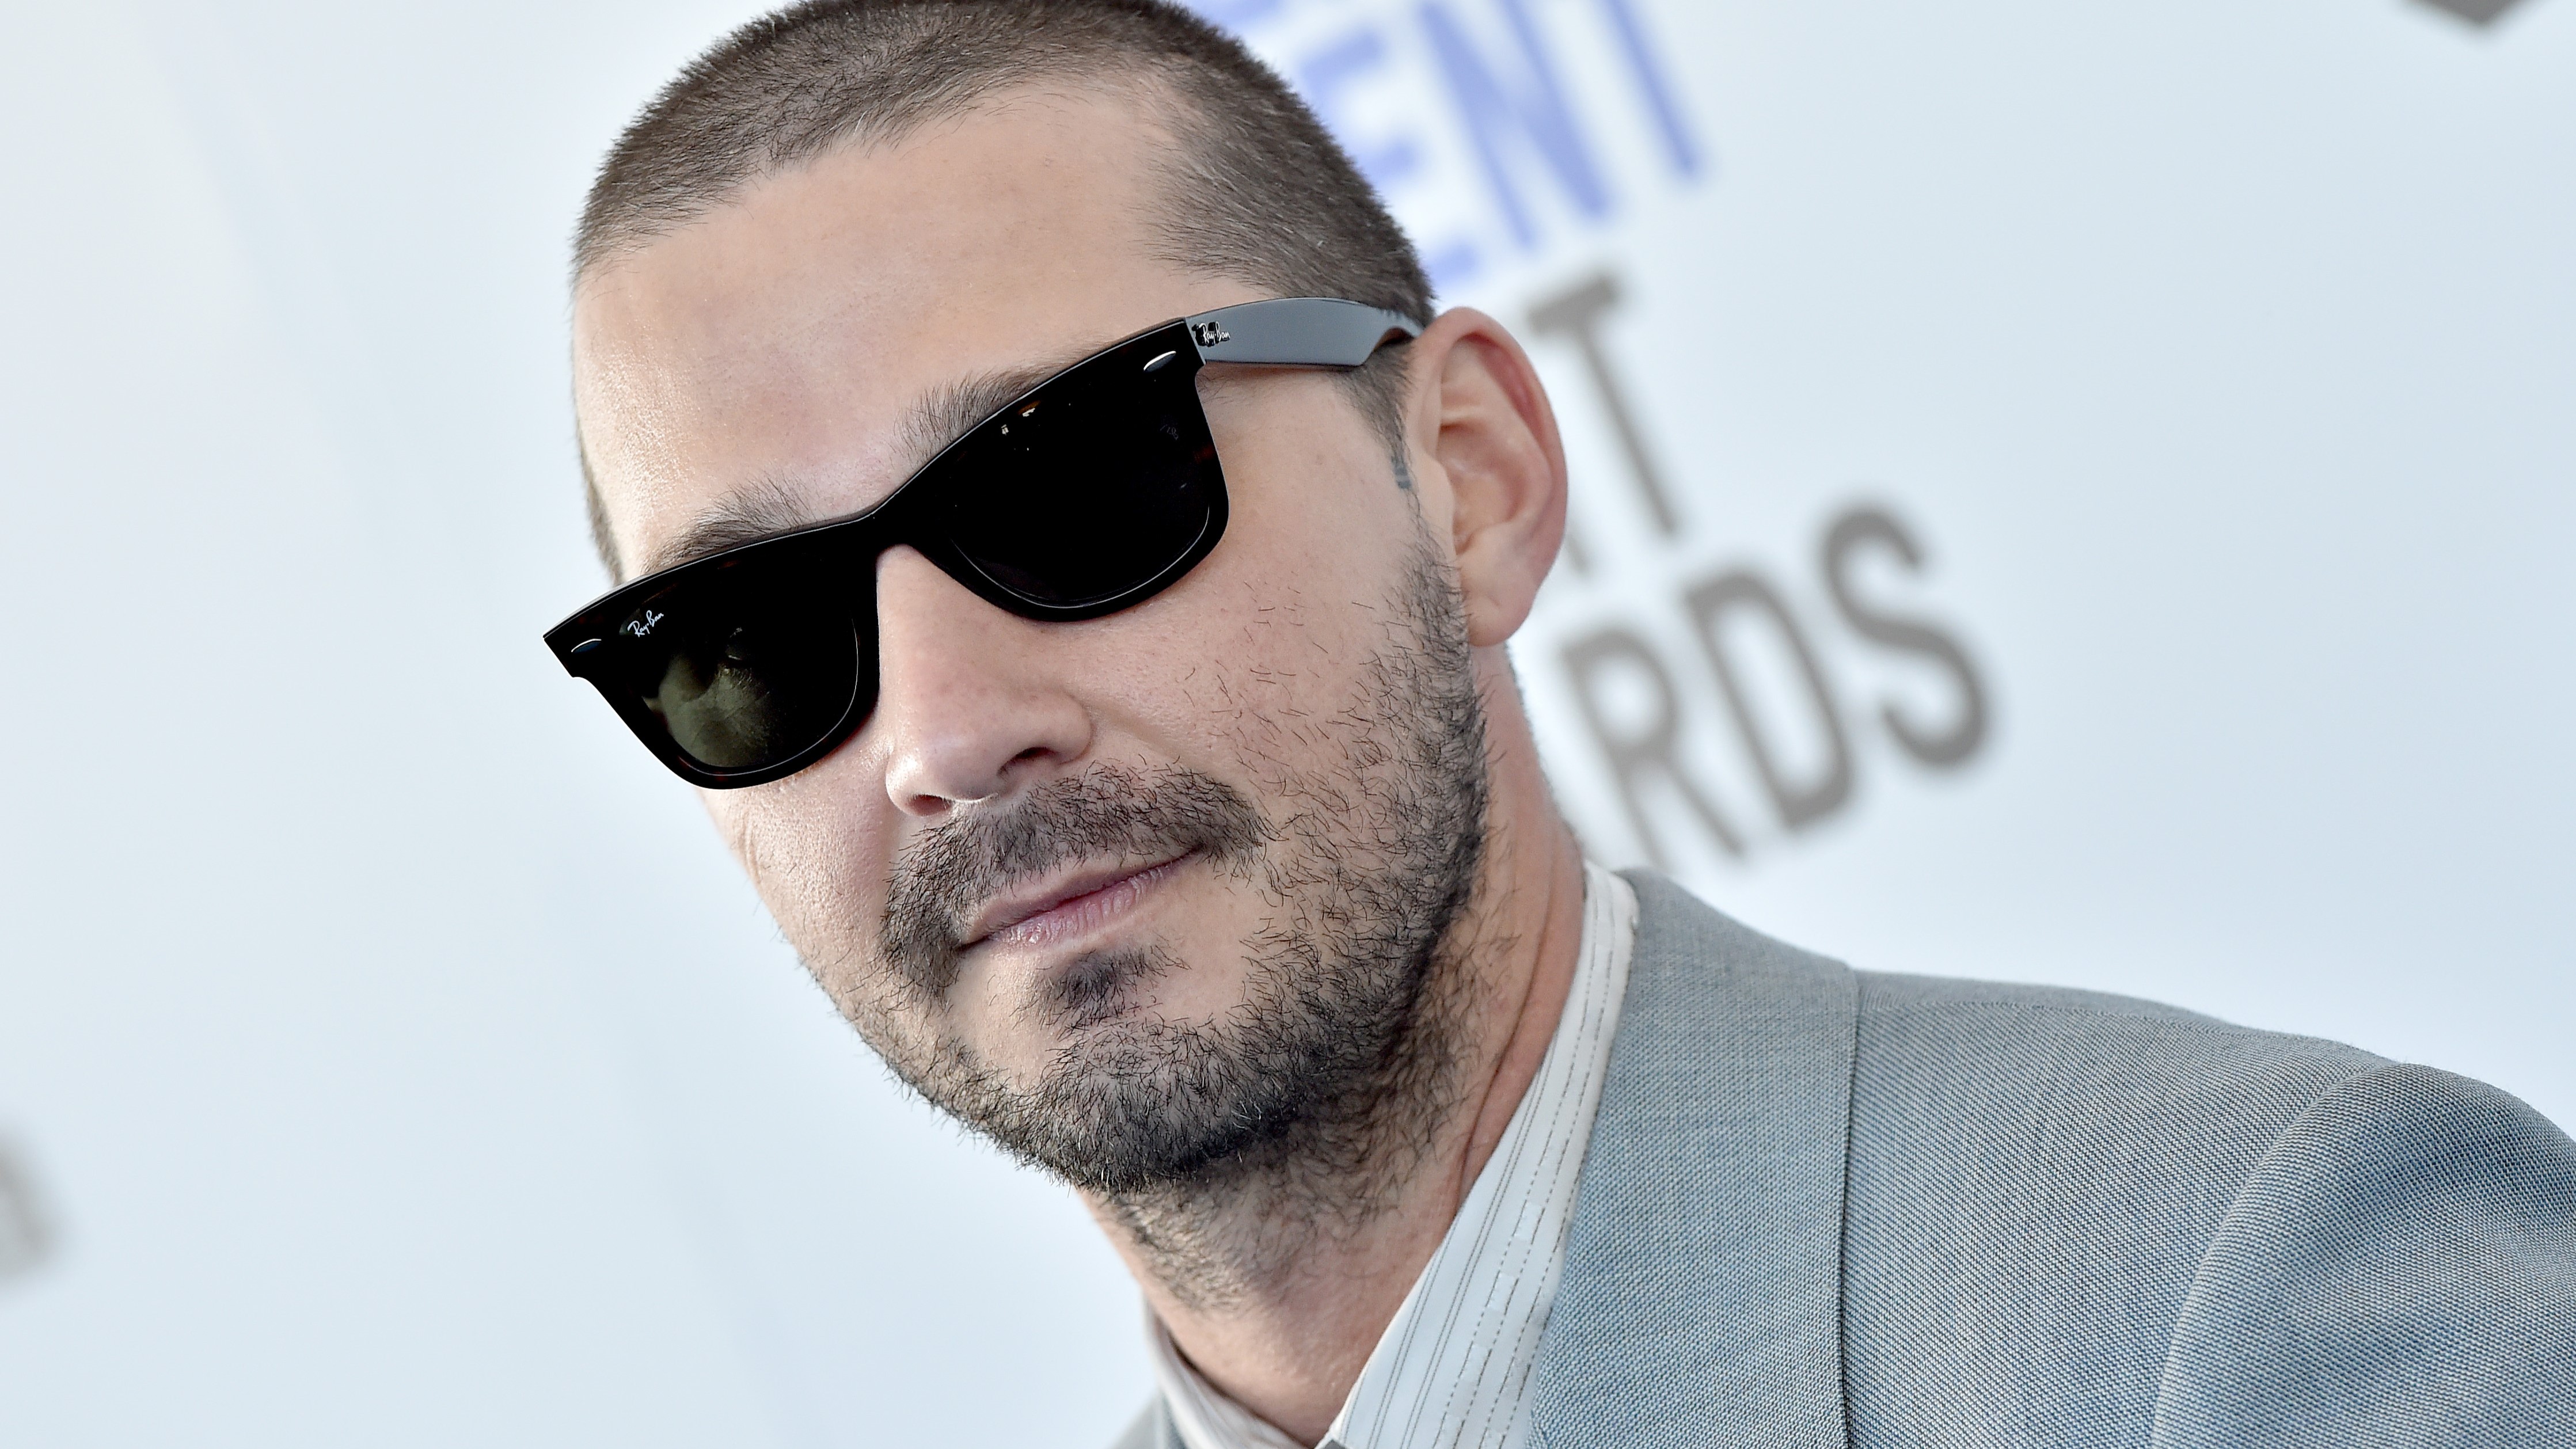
x=1702 y=1298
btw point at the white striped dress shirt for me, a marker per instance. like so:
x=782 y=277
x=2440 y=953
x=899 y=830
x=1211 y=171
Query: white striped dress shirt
x=1453 y=1369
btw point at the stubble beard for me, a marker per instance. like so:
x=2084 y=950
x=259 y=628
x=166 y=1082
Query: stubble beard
x=1224 y=1148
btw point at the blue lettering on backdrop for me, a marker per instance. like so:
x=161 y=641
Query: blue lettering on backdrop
x=1495 y=109
x=1678 y=146
x=1490 y=68
x=1236 y=14
x=1325 y=76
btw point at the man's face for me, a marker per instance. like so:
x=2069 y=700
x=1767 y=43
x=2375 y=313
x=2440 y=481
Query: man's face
x=1136 y=895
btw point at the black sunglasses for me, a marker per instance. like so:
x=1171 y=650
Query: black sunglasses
x=1089 y=493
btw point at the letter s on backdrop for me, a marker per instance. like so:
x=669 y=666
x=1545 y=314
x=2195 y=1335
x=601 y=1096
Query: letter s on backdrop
x=1852 y=533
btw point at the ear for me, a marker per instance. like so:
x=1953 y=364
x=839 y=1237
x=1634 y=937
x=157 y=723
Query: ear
x=1485 y=440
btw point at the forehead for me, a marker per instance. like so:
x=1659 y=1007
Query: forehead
x=778 y=345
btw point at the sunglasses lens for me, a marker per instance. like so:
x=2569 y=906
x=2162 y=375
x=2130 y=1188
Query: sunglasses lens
x=1098 y=488
x=1080 y=499
x=743 y=676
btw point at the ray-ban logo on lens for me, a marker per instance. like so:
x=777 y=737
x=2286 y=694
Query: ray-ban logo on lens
x=641 y=627
x=1209 y=334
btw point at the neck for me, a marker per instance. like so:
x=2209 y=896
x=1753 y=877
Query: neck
x=1280 y=1304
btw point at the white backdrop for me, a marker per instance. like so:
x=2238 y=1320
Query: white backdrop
x=2065 y=493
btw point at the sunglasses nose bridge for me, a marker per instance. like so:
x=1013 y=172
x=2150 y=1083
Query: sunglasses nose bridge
x=925 y=599
x=970 y=697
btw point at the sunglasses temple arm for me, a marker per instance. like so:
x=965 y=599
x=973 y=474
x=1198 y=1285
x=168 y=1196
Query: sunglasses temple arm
x=1298 y=332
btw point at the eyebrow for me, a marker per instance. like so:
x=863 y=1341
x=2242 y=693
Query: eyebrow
x=770 y=507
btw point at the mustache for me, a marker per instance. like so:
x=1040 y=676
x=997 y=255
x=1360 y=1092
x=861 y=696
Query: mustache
x=945 y=876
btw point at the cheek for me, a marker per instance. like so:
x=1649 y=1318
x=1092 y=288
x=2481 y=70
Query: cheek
x=1264 y=638
x=1254 y=687
x=813 y=867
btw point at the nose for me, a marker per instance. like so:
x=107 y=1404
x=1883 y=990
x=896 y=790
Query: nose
x=968 y=703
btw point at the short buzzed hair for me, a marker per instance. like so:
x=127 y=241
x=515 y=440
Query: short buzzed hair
x=1272 y=199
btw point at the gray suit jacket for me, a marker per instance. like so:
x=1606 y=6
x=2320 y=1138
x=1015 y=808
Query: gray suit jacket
x=1827 y=1209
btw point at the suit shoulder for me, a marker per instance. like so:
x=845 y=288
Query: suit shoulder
x=1979 y=1094
x=2033 y=1176
x=2400 y=1267
x=2013 y=1037
x=1886 y=991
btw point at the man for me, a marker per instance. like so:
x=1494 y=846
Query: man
x=1096 y=658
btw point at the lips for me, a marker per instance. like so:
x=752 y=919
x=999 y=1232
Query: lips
x=1067 y=905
